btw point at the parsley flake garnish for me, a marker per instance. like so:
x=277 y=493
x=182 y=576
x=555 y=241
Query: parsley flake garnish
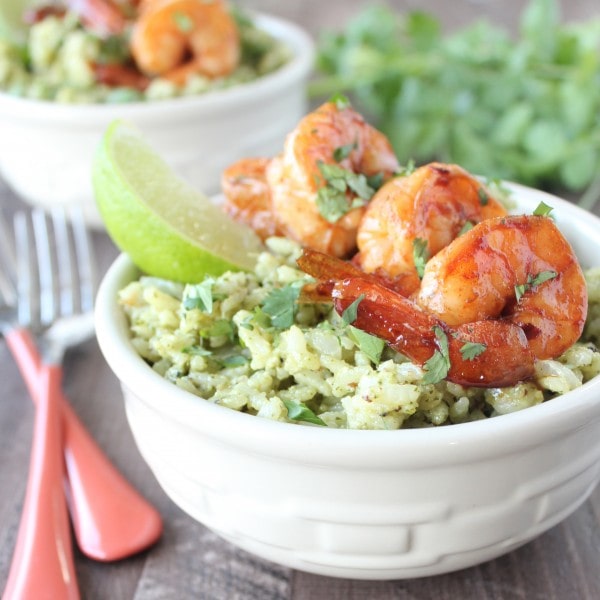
x=420 y=255
x=350 y=313
x=342 y=152
x=437 y=367
x=368 y=344
x=533 y=281
x=281 y=306
x=299 y=412
x=542 y=210
x=471 y=350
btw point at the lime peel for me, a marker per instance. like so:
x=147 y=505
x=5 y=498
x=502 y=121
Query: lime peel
x=168 y=228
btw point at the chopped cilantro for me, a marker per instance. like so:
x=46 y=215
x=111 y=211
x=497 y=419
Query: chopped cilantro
x=437 y=367
x=420 y=255
x=349 y=315
x=300 y=412
x=200 y=296
x=370 y=345
x=342 y=152
x=483 y=197
x=533 y=281
x=542 y=210
x=235 y=360
x=196 y=350
x=341 y=101
x=221 y=327
x=471 y=350
x=183 y=22
x=407 y=169
x=332 y=200
x=375 y=181
x=466 y=227
x=281 y=306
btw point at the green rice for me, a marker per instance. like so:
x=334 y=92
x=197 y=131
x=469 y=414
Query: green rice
x=55 y=64
x=217 y=341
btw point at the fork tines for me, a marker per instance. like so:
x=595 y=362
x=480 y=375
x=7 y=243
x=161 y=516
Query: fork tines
x=55 y=273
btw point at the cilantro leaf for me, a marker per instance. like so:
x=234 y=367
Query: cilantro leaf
x=471 y=350
x=370 y=345
x=200 y=296
x=542 y=210
x=332 y=199
x=234 y=360
x=420 y=255
x=438 y=365
x=221 y=327
x=183 y=22
x=300 y=412
x=350 y=313
x=196 y=350
x=533 y=281
x=342 y=152
x=466 y=227
x=483 y=197
x=543 y=276
x=407 y=169
x=341 y=101
x=281 y=306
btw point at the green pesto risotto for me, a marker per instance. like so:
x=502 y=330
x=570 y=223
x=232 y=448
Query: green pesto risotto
x=240 y=340
x=57 y=63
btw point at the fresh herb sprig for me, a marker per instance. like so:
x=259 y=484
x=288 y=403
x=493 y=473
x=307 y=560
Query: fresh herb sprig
x=520 y=108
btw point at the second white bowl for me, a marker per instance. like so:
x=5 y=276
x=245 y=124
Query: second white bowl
x=46 y=148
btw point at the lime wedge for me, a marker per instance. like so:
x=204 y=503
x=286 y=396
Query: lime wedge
x=168 y=228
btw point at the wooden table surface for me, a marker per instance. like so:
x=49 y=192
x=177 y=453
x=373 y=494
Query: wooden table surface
x=192 y=562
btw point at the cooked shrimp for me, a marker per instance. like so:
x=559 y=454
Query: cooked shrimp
x=177 y=38
x=469 y=293
x=476 y=276
x=248 y=197
x=331 y=136
x=103 y=16
x=433 y=204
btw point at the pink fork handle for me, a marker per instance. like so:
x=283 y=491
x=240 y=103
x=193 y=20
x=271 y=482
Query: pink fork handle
x=110 y=518
x=42 y=565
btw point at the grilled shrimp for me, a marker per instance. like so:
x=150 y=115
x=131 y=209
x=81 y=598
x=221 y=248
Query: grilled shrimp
x=331 y=136
x=433 y=204
x=248 y=197
x=518 y=268
x=177 y=38
x=511 y=287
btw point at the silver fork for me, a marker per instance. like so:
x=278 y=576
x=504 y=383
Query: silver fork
x=56 y=289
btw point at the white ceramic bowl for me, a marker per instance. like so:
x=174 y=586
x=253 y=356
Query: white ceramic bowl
x=364 y=504
x=46 y=148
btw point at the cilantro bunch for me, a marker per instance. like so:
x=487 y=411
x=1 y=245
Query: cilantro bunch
x=523 y=108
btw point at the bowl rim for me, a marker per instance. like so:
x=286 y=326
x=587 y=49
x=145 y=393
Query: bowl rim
x=413 y=448
x=298 y=67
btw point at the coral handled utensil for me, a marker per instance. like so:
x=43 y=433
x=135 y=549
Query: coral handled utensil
x=110 y=518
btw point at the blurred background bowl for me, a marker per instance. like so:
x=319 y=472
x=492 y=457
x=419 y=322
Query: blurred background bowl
x=364 y=504
x=46 y=148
